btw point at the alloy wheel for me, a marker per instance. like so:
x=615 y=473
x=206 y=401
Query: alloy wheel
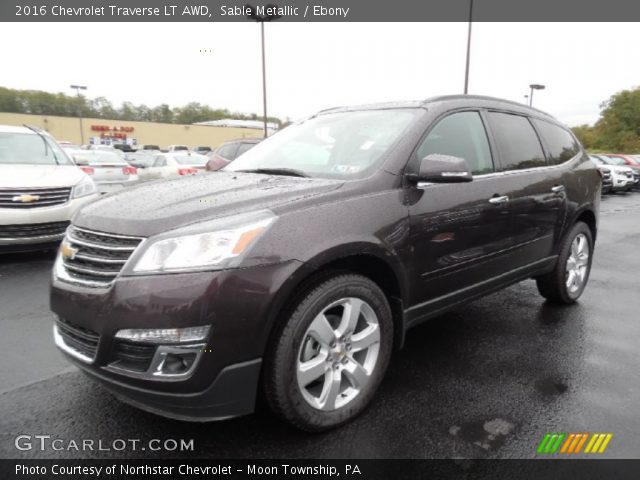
x=338 y=354
x=577 y=263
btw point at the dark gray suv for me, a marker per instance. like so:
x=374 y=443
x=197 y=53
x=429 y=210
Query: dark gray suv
x=300 y=267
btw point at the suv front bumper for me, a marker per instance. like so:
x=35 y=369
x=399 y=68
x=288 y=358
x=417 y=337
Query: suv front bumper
x=15 y=224
x=236 y=304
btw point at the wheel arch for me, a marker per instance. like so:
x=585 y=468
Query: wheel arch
x=367 y=260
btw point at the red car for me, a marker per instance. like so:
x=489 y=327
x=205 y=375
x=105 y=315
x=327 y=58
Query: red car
x=228 y=152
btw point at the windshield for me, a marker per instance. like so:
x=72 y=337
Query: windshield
x=336 y=145
x=30 y=149
x=193 y=159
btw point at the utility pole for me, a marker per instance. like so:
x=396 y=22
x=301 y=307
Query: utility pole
x=77 y=88
x=466 y=73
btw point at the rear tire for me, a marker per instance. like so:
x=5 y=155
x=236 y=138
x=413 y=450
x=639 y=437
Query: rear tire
x=567 y=281
x=330 y=354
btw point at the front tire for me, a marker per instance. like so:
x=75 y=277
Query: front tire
x=330 y=354
x=567 y=281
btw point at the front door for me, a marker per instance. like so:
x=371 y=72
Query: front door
x=459 y=231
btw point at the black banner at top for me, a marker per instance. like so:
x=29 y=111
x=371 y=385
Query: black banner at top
x=319 y=10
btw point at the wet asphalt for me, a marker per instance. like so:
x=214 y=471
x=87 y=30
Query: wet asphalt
x=486 y=380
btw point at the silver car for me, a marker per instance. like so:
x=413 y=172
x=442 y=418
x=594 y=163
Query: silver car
x=108 y=170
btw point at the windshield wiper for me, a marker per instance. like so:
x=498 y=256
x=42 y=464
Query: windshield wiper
x=291 y=172
x=44 y=139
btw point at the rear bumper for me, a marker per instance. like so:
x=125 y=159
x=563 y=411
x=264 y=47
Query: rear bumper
x=114 y=186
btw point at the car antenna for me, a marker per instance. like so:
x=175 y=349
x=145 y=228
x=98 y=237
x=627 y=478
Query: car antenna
x=46 y=144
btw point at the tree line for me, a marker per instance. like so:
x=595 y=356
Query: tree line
x=38 y=102
x=618 y=128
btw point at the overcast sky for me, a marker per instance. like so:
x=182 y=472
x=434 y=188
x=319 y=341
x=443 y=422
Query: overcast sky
x=311 y=66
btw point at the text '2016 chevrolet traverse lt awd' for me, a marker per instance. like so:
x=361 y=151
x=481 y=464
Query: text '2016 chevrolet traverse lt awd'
x=299 y=267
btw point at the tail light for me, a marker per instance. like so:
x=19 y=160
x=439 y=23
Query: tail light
x=187 y=171
x=87 y=170
x=130 y=170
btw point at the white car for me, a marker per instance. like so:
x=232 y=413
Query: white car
x=171 y=165
x=621 y=176
x=108 y=169
x=40 y=189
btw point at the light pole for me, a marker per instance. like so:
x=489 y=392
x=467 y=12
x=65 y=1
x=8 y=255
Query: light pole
x=77 y=88
x=534 y=86
x=260 y=18
x=466 y=72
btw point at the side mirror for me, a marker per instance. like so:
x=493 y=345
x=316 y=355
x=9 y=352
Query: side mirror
x=80 y=160
x=437 y=168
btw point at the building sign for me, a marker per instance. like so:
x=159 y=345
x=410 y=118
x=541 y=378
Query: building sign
x=109 y=128
x=112 y=134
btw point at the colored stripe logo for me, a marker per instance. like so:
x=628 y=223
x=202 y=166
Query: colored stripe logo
x=573 y=443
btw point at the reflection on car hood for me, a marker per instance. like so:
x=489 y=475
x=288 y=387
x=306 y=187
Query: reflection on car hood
x=156 y=207
x=39 y=176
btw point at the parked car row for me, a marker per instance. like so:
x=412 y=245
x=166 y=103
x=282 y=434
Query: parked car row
x=620 y=173
x=43 y=182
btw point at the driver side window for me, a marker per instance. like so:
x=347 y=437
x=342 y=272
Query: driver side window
x=461 y=135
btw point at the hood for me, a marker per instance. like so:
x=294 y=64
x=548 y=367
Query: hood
x=39 y=176
x=156 y=207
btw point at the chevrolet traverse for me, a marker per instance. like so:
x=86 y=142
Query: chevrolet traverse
x=297 y=269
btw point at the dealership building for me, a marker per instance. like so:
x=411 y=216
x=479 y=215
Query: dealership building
x=101 y=131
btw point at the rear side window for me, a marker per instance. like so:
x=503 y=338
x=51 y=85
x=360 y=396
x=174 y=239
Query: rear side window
x=561 y=144
x=460 y=135
x=517 y=142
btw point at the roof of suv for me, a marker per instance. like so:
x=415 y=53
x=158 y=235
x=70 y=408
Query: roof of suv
x=462 y=100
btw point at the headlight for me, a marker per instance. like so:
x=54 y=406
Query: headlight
x=226 y=240
x=84 y=188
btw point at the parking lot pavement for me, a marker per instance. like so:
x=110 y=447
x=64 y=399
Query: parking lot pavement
x=486 y=380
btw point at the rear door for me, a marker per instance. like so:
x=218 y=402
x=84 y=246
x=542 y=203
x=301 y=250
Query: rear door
x=459 y=231
x=537 y=196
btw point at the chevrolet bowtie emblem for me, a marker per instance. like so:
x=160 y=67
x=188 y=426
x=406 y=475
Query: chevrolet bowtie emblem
x=67 y=251
x=26 y=198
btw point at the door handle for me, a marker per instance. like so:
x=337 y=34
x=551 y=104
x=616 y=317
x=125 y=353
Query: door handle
x=499 y=200
x=557 y=189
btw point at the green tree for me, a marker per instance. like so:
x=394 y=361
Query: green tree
x=619 y=126
x=45 y=103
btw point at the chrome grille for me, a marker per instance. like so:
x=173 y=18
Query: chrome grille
x=96 y=258
x=33 y=197
x=33 y=230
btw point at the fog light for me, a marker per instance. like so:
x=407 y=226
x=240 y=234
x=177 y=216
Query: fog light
x=165 y=335
x=175 y=364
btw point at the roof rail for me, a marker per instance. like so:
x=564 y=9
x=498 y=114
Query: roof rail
x=442 y=98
